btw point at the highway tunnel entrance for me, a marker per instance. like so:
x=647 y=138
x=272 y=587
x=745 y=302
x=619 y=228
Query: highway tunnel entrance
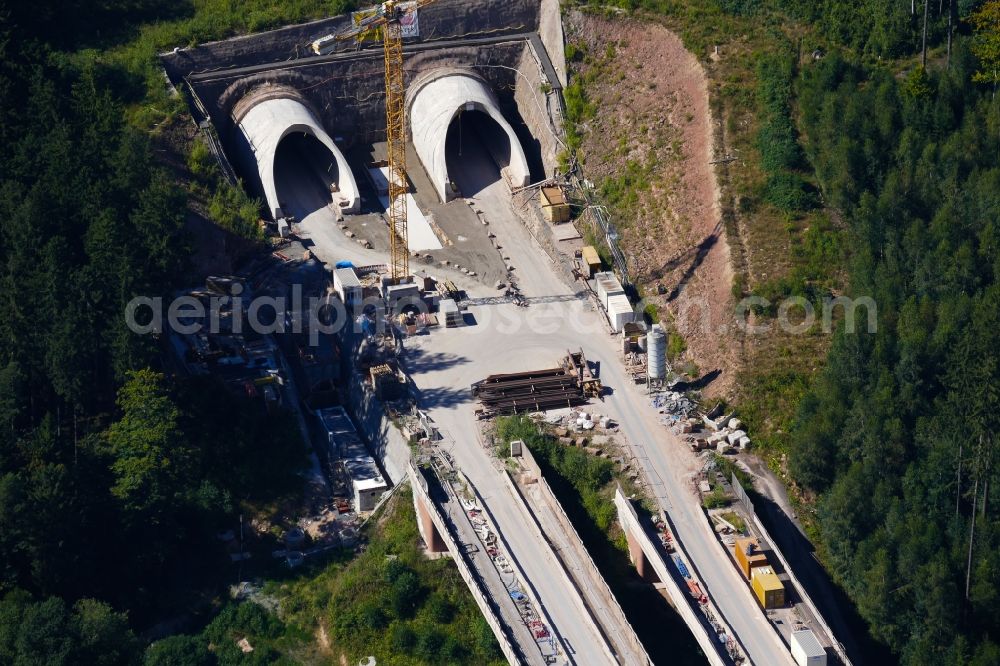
x=477 y=151
x=306 y=174
x=284 y=142
x=461 y=135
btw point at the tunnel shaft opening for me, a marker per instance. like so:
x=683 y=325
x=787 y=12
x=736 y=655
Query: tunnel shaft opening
x=306 y=174
x=477 y=150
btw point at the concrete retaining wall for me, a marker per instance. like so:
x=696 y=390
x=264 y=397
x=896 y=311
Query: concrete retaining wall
x=540 y=110
x=445 y=19
x=550 y=29
x=385 y=440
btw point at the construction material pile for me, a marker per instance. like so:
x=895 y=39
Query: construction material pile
x=673 y=403
x=537 y=390
x=532 y=391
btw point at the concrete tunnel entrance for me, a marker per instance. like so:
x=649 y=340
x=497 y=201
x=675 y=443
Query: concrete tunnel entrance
x=286 y=143
x=461 y=137
x=477 y=151
x=305 y=174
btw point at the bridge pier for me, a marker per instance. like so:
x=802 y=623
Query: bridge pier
x=638 y=557
x=428 y=530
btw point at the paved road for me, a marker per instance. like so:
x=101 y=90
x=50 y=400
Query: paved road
x=318 y=224
x=507 y=338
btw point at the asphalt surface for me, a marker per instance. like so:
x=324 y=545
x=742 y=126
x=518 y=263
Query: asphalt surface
x=507 y=338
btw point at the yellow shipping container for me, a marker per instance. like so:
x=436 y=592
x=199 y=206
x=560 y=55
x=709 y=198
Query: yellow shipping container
x=554 y=205
x=591 y=259
x=768 y=588
x=748 y=555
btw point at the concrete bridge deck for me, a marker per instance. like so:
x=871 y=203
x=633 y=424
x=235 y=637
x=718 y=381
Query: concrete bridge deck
x=446 y=527
x=552 y=523
x=714 y=636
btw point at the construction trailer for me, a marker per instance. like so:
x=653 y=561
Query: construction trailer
x=806 y=648
x=620 y=312
x=591 y=261
x=339 y=430
x=347 y=286
x=768 y=588
x=555 y=208
x=366 y=481
x=748 y=555
x=402 y=296
x=347 y=450
x=607 y=285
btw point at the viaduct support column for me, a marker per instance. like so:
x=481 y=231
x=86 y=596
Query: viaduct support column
x=639 y=559
x=428 y=530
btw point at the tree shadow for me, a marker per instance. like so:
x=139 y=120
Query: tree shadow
x=444 y=396
x=420 y=360
x=699 y=252
x=699 y=383
x=831 y=601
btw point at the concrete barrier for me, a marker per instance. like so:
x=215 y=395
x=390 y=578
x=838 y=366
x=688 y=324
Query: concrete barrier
x=420 y=493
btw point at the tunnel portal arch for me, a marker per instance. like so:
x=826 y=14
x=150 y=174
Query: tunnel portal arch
x=265 y=117
x=434 y=102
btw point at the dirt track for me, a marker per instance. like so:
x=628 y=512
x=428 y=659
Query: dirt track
x=653 y=116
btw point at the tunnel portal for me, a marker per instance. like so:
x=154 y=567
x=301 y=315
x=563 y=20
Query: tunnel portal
x=459 y=131
x=274 y=122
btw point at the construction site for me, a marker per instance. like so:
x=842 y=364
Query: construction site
x=410 y=154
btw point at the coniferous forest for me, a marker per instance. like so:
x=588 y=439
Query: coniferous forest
x=899 y=435
x=113 y=478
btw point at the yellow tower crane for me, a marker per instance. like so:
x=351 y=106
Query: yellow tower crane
x=387 y=20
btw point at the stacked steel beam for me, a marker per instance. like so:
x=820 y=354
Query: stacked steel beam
x=531 y=391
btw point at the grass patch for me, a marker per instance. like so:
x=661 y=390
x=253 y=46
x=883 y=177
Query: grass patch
x=736 y=520
x=389 y=601
x=716 y=499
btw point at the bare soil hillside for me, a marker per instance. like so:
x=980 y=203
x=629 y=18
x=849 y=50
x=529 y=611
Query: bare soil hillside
x=647 y=144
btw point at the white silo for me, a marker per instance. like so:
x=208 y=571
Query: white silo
x=656 y=353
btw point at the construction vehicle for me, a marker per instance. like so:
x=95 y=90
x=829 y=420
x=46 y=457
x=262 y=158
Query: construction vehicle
x=385 y=21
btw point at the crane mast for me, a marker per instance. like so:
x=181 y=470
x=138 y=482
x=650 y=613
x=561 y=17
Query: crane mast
x=386 y=18
x=395 y=130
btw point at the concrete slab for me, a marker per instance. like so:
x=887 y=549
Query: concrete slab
x=420 y=235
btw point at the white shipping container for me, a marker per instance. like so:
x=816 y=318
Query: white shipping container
x=806 y=649
x=347 y=286
x=607 y=286
x=620 y=311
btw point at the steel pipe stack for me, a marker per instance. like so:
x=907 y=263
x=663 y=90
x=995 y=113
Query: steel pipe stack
x=531 y=391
